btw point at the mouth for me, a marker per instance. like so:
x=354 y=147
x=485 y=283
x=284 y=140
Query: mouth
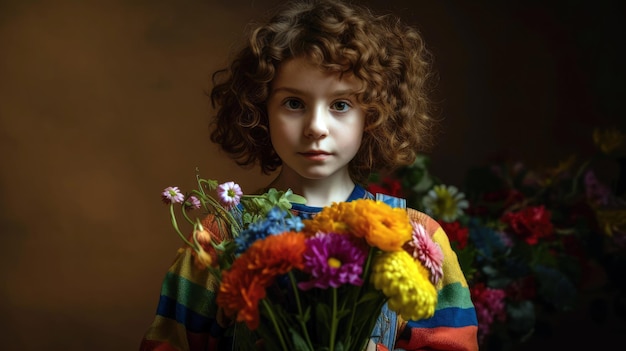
x=315 y=154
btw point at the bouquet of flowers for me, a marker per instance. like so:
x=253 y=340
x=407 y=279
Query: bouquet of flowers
x=312 y=284
x=531 y=241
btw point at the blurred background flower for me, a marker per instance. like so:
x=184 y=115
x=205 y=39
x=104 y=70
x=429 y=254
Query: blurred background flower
x=533 y=243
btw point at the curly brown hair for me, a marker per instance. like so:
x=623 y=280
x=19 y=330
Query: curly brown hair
x=389 y=56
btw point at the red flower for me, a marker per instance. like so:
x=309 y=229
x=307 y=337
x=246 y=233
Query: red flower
x=530 y=223
x=388 y=185
x=456 y=233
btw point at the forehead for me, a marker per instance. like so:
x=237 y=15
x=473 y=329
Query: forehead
x=303 y=73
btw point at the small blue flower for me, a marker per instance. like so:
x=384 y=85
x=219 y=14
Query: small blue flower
x=487 y=241
x=294 y=223
x=276 y=221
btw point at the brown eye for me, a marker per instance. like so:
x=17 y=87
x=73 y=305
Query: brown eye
x=293 y=104
x=341 y=106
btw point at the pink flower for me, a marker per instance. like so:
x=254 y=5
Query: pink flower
x=173 y=195
x=229 y=194
x=423 y=248
x=192 y=203
x=490 y=306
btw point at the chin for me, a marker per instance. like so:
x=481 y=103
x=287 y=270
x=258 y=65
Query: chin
x=314 y=175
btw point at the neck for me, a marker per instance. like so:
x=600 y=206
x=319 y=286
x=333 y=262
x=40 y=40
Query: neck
x=318 y=192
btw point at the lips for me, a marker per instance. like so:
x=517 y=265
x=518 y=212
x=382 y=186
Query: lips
x=316 y=155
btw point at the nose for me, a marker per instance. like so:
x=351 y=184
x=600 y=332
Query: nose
x=317 y=123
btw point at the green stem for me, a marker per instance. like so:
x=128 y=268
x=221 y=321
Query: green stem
x=214 y=207
x=296 y=293
x=365 y=332
x=333 y=321
x=279 y=333
x=204 y=181
x=175 y=225
x=184 y=212
x=366 y=277
x=578 y=176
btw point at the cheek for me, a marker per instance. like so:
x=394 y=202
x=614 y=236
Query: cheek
x=356 y=145
x=283 y=136
x=350 y=142
x=351 y=135
x=280 y=131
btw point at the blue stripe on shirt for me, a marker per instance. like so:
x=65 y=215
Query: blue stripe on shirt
x=452 y=317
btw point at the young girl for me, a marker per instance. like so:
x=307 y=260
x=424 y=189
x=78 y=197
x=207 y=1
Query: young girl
x=325 y=92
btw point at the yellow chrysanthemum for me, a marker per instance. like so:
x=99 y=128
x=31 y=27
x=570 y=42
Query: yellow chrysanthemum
x=406 y=283
x=552 y=175
x=381 y=225
x=607 y=139
x=611 y=220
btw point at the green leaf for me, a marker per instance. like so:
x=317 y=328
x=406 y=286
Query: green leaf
x=306 y=315
x=369 y=296
x=521 y=316
x=295 y=198
x=298 y=341
x=339 y=346
x=322 y=322
x=343 y=312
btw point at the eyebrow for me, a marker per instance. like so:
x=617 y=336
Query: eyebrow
x=342 y=92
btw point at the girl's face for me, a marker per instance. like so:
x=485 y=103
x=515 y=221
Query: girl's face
x=316 y=124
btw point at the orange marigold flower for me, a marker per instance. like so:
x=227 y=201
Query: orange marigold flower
x=381 y=225
x=330 y=219
x=244 y=284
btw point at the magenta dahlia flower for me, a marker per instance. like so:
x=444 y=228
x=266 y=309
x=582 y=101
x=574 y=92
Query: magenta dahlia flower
x=333 y=260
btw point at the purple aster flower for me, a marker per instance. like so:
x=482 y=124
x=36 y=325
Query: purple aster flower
x=192 y=203
x=172 y=194
x=229 y=194
x=597 y=193
x=333 y=260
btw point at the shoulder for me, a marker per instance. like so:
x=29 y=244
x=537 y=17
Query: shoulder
x=429 y=223
x=432 y=227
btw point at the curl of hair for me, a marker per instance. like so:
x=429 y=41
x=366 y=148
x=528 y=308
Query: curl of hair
x=389 y=57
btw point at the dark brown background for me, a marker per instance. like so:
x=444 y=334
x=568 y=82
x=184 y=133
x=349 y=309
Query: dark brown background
x=102 y=106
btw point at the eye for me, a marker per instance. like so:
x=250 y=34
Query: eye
x=341 y=106
x=293 y=104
